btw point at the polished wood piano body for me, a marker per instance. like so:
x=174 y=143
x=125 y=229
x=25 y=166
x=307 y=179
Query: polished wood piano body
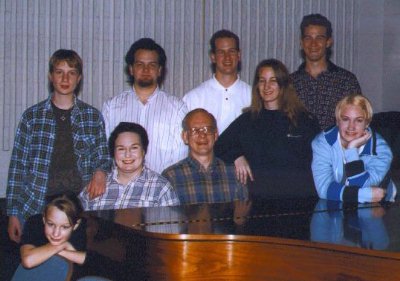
x=302 y=239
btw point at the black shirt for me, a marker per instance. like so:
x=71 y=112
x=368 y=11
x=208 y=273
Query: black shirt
x=63 y=173
x=269 y=140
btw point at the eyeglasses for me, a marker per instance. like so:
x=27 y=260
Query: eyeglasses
x=208 y=130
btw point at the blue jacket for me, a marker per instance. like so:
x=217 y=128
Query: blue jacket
x=347 y=174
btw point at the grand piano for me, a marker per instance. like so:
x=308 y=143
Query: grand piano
x=259 y=239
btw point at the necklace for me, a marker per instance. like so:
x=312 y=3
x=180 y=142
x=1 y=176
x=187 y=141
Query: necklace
x=60 y=113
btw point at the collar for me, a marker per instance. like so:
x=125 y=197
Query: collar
x=331 y=67
x=332 y=136
x=152 y=96
x=114 y=174
x=218 y=85
x=48 y=105
x=198 y=167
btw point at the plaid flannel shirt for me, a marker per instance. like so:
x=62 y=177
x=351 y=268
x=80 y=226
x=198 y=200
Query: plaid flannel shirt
x=149 y=189
x=33 y=147
x=195 y=185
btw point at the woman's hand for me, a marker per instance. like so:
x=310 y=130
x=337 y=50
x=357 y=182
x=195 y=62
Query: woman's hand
x=377 y=194
x=68 y=247
x=71 y=254
x=243 y=170
x=356 y=143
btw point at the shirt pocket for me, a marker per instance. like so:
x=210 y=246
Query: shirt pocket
x=84 y=144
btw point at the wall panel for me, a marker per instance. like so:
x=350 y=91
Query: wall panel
x=101 y=32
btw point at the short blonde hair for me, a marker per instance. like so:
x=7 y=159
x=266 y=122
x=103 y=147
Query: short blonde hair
x=357 y=100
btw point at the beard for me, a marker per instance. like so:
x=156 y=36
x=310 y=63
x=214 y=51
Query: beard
x=146 y=83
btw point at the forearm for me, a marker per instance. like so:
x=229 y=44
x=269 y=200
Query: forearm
x=32 y=256
x=16 y=174
x=228 y=146
x=12 y=194
x=19 y=167
x=323 y=174
x=228 y=152
x=102 y=158
x=73 y=256
x=106 y=118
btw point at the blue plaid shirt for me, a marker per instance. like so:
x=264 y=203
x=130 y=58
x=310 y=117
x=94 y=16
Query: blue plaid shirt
x=149 y=189
x=33 y=147
x=194 y=184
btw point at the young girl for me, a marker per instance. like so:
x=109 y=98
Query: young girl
x=50 y=242
x=350 y=161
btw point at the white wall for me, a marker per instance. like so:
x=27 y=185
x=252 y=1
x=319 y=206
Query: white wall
x=101 y=31
x=391 y=56
x=370 y=51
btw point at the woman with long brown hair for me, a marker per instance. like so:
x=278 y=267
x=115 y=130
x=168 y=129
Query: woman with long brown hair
x=275 y=132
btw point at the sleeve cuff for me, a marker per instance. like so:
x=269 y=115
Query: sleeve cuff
x=364 y=195
x=350 y=194
x=12 y=212
x=354 y=168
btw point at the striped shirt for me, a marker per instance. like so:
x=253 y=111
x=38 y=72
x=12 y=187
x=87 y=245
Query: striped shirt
x=161 y=116
x=194 y=184
x=149 y=189
x=28 y=174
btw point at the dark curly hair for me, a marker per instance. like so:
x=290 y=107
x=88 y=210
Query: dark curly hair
x=150 y=45
x=128 y=127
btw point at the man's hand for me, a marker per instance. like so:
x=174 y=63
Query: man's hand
x=243 y=170
x=377 y=194
x=97 y=186
x=356 y=143
x=14 y=229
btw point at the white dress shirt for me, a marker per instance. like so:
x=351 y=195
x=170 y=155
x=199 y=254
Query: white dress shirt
x=161 y=116
x=225 y=104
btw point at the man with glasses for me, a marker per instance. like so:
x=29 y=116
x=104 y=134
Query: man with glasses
x=224 y=95
x=202 y=177
x=146 y=104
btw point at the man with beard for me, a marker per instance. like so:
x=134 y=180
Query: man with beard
x=159 y=113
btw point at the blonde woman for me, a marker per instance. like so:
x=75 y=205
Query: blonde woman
x=350 y=161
